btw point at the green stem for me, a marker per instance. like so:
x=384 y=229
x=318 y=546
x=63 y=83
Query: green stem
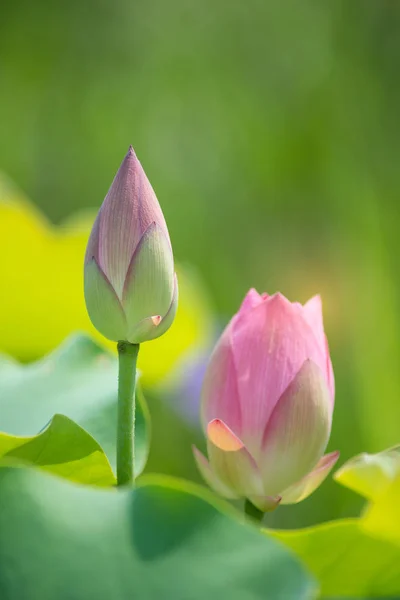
x=253 y=512
x=127 y=355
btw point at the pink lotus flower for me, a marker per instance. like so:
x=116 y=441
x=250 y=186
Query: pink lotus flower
x=131 y=290
x=267 y=403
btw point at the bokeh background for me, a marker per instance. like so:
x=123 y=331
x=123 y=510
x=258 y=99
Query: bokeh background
x=270 y=133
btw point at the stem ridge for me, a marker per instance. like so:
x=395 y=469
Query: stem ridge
x=127 y=360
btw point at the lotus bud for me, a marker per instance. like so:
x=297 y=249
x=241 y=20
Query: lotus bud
x=267 y=403
x=131 y=288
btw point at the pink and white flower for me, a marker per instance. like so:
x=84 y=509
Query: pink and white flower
x=267 y=403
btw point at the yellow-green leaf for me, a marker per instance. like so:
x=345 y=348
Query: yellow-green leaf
x=358 y=557
x=370 y=474
x=382 y=517
x=345 y=559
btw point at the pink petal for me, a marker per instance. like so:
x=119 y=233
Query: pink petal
x=329 y=372
x=219 y=396
x=306 y=486
x=251 y=300
x=127 y=211
x=210 y=477
x=232 y=462
x=270 y=344
x=297 y=432
x=92 y=249
x=312 y=311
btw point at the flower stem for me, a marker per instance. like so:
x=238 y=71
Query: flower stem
x=127 y=356
x=252 y=511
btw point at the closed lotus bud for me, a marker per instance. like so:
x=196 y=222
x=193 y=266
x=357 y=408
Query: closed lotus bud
x=131 y=289
x=267 y=403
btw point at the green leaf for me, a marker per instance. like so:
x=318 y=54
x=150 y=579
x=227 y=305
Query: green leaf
x=62 y=448
x=78 y=380
x=346 y=559
x=358 y=556
x=159 y=540
x=370 y=474
x=383 y=516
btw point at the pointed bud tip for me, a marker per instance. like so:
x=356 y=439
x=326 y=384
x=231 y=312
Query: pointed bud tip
x=156 y=320
x=131 y=154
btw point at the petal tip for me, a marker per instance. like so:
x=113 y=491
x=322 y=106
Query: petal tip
x=306 y=486
x=335 y=455
x=251 y=300
x=222 y=437
x=266 y=503
x=199 y=456
x=315 y=300
x=309 y=368
x=131 y=155
x=279 y=301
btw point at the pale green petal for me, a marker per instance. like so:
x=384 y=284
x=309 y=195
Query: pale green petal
x=150 y=328
x=232 y=462
x=297 y=432
x=306 y=486
x=149 y=284
x=210 y=477
x=145 y=330
x=103 y=306
x=266 y=503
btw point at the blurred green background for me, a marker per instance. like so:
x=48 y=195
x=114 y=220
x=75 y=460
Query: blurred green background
x=270 y=133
